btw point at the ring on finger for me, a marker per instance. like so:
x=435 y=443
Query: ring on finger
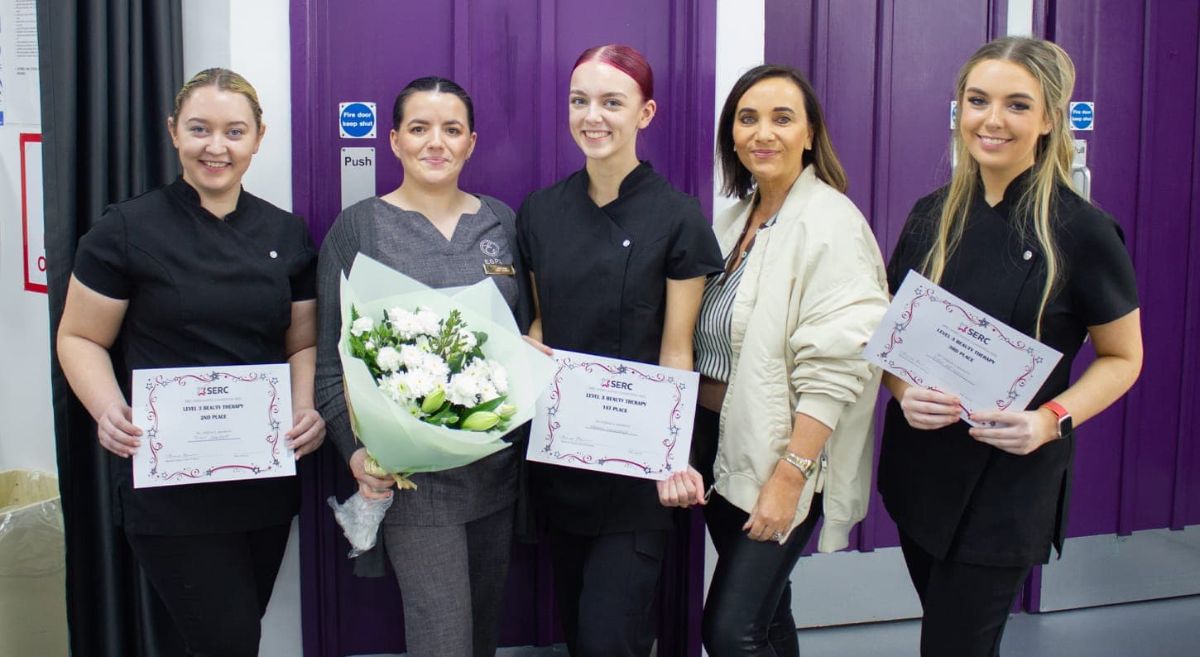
x=777 y=537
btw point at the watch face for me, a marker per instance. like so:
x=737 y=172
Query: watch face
x=1065 y=426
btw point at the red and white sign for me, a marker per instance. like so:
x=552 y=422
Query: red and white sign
x=33 y=225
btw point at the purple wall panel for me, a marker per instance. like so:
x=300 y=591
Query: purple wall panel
x=514 y=57
x=1168 y=157
x=1187 y=491
x=1112 y=77
x=1138 y=61
x=789 y=34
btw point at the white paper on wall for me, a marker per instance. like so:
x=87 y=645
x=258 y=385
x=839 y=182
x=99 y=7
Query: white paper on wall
x=19 y=95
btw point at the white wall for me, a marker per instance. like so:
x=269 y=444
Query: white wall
x=27 y=432
x=252 y=38
x=1020 y=18
x=741 y=45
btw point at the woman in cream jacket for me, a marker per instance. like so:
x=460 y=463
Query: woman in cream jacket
x=784 y=431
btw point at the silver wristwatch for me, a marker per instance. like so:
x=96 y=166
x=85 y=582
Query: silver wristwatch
x=806 y=466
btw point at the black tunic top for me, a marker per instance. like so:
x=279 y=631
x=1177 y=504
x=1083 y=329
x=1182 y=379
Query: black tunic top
x=201 y=291
x=961 y=499
x=601 y=277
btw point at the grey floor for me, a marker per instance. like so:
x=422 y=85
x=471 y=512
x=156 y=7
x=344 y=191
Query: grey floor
x=1159 y=628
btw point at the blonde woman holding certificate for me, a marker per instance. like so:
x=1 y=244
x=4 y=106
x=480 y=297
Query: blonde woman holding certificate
x=198 y=273
x=977 y=507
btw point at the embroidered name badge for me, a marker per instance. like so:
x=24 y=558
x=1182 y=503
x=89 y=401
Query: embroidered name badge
x=497 y=269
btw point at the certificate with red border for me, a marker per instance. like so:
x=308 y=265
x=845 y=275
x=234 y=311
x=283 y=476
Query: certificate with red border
x=205 y=424
x=615 y=416
x=935 y=340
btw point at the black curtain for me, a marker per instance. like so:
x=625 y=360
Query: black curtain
x=109 y=72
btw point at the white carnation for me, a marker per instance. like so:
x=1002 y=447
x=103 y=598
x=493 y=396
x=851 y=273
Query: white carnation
x=412 y=355
x=388 y=359
x=499 y=376
x=464 y=389
x=421 y=383
x=395 y=386
x=415 y=359
x=428 y=322
x=480 y=382
x=406 y=325
x=361 y=325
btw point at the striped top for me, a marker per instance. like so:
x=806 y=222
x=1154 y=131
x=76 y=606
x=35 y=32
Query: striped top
x=713 y=346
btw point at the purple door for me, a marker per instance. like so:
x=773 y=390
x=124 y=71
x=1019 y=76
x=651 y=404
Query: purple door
x=1136 y=464
x=514 y=57
x=1139 y=62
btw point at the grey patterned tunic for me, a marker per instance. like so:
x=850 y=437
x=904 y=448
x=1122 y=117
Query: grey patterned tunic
x=409 y=243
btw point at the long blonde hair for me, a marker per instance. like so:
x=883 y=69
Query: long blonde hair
x=1055 y=74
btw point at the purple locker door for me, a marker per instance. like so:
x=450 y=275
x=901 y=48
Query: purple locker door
x=1136 y=463
x=1138 y=62
x=514 y=57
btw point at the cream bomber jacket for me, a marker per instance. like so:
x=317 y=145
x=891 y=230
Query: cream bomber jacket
x=813 y=291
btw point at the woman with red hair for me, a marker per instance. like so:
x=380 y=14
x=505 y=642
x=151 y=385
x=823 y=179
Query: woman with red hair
x=618 y=258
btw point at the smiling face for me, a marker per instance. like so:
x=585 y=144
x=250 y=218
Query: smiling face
x=606 y=110
x=216 y=135
x=433 y=140
x=1002 y=116
x=771 y=131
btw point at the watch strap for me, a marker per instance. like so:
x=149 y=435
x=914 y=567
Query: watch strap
x=1063 y=415
x=806 y=466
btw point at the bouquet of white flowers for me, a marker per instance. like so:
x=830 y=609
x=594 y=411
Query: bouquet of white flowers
x=434 y=378
x=434 y=368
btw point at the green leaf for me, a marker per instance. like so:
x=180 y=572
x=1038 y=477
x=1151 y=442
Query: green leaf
x=487 y=406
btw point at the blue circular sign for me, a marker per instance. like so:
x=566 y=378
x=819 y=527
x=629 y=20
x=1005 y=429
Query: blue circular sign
x=1082 y=116
x=357 y=120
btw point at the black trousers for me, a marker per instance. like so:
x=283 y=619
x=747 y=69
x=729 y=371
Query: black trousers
x=605 y=588
x=965 y=605
x=749 y=606
x=215 y=586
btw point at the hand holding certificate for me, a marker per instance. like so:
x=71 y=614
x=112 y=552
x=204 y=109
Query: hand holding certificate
x=615 y=416
x=206 y=424
x=933 y=339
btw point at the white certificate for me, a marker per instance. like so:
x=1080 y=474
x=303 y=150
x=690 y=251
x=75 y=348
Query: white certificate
x=615 y=416
x=935 y=340
x=203 y=424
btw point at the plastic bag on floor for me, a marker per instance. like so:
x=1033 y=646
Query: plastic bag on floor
x=33 y=608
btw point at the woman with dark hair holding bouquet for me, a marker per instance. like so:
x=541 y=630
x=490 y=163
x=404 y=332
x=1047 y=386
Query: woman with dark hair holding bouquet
x=448 y=539
x=783 y=429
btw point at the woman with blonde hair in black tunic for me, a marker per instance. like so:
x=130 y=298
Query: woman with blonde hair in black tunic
x=198 y=273
x=978 y=506
x=618 y=258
